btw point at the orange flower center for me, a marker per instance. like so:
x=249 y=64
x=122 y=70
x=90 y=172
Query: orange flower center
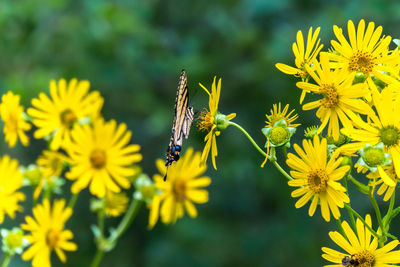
x=98 y=159
x=205 y=121
x=317 y=180
x=179 y=189
x=362 y=61
x=331 y=96
x=68 y=118
x=52 y=238
x=361 y=259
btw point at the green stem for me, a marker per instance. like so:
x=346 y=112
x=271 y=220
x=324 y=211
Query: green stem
x=129 y=216
x=6 y=260
x=377 y=211
x=352 y=220
x=362 y=220
x=394 y=214
x=339 y=225
x=72 y=201
x=282 y=170
x=248 y=137
x=386 y=220
x=97 y=258
x=100 y=221
x=392 y=236
x=360 y=186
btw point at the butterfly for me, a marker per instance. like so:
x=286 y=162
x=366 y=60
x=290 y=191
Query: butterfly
x=183 y=118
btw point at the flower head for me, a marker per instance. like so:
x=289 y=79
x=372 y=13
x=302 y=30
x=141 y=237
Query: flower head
x=382 y=127
x=11 y=114
x=47 y=233
x=115 y=204
x=340 y=100
x=102 y=157
x=359 y=247
x=13 y=241
x=10 y=182
x=213 y=122
x=183 y=187
x=367 y=52
x=70 y=103
x=278 y=114
x=317 y=178
x=303 y=57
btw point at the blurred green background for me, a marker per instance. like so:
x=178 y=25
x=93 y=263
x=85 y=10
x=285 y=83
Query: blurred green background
x=132 y=52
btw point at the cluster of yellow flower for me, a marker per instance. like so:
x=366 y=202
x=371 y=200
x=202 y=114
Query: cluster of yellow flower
x=357 y=85
x=93 y=153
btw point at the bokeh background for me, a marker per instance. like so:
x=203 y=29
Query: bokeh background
x=132 y=52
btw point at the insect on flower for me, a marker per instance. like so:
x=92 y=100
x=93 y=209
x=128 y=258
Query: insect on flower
x=183 y=118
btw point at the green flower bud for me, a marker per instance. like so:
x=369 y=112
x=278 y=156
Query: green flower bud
x=145 y=189
x=359 y=77
x=32 y=175
x=372 y=156
x=279 y=134
x=221 y=121
x=13 y=241
x=310 y=132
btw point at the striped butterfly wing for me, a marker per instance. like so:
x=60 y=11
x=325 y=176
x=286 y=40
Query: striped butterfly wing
x=183 y=118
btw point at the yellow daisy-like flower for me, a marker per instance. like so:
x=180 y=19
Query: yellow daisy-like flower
x=183 y=187
x=384 y=126
x=10 y=182
x=14 y=124
x=50 y=165
x=303 y=56
x=341 y=99
x=115 y=204
x=213 y=122
x=384 y=188
x=360 y=249
x=47 y=233
x=102 y=157
x=317 y=178
x=278 y=114
x=367 y=51
x=69 y=103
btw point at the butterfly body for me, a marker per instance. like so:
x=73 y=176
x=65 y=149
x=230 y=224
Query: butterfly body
x=183 y=119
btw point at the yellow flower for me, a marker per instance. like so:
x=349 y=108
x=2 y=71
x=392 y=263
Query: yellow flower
x=278 y=114
x=384 y=188
x=50 y=165
x=70 y=103
x=48 y=233
x=384 y=126
x=14 y=124
x=303 y=57
x=213 y=122
x=359 y=247
x=183 y=187
x=115 y=204
x=340 y=101
x=317 y=178
x=10 y=182
x=367 y=51
x=102 y=157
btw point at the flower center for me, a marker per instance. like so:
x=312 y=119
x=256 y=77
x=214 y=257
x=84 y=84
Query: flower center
x=98 y=159
x=362 y=61
x=179 y=188
x=373 y=157
x=205 y=121
x=317 y=180
x=278 y=135
x=52 y=238
x=331 y=97
x=68 y=118
x=363 y=259
x=390 y=135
